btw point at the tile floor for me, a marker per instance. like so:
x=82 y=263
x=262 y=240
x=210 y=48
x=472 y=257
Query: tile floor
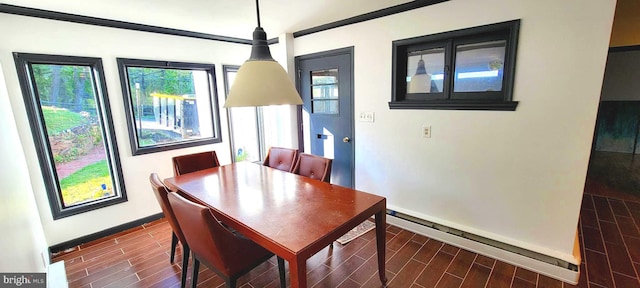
x=610 y=243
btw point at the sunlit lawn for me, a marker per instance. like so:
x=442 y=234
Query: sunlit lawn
x=60 y=119
x=85 y=184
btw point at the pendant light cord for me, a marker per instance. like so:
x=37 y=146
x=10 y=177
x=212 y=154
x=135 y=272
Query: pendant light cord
x=258 y=12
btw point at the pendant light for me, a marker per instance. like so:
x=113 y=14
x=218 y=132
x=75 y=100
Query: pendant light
x=421 y=81
x=261 y=81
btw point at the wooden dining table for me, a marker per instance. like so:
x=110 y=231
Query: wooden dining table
x=290 y=215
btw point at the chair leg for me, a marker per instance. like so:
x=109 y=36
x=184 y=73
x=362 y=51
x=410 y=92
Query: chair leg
x=231 y=282
x=185 y=264
x=174 y=243
x=283 y=280
x=194 y=275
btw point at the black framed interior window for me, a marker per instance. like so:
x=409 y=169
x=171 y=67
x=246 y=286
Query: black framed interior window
x=468 y=69
x=68 y=109
x=169 y=105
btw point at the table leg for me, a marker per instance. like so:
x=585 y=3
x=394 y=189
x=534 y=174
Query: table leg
x=298 y=273
x=381 y=227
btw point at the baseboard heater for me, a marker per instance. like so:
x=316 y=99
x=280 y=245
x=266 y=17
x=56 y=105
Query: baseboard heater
x=486 y=241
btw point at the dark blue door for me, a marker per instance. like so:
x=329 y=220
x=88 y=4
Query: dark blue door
x=325 y=84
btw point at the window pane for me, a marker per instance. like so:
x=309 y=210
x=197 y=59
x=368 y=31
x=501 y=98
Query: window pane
x=67 y=106
x=324 y=91
x=74 y=130
x=243 y=122
x=321 y=77
x=325 y=107
x=324 y=84
x=425 y=71
x=245 y=134
x=170 y=105
x=479 y=66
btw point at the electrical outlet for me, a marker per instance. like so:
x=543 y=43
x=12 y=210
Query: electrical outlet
x=426 y=131
x=367 y=117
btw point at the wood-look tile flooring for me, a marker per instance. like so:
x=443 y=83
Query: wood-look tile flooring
x=610 y=243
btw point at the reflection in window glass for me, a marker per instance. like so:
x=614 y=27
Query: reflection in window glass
x=425 y=71
x=324 y=91
x=170 y=105
x=479 y=66
x=243 y=122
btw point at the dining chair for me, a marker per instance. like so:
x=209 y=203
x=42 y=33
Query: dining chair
x=194 y=162
x=312 y=166
x=281 y=158
x=228 y=254
x=161 y=192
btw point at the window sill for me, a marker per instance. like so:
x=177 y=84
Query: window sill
x=455 y=105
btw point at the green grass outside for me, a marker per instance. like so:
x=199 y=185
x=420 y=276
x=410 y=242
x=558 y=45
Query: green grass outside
x=150 y=137
x=59 y=119
x=85 y=184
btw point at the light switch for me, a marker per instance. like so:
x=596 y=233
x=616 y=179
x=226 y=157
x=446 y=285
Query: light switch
x=367 y=117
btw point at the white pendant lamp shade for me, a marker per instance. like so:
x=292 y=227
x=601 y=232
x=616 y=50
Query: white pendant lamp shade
x=421 y=81
x=262 y=83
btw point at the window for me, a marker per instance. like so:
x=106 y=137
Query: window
x=169 y=105
x=254 y=129
x=324 y=92
x=244 y=125
x=469 y=69
x=68 y=108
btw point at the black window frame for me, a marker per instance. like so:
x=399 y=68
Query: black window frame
x=448 y=99
x=31 y=98
x=134 y=141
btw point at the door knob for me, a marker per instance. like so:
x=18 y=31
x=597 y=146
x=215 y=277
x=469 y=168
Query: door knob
x=346 y=139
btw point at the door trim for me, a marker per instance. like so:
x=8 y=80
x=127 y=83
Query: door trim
x=340 y=51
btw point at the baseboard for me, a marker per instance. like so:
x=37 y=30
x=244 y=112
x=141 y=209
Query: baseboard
x=554 y=271
x=104 y=233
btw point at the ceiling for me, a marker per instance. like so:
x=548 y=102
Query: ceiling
x=233 y=18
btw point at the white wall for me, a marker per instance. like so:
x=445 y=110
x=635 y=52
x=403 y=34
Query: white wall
x=32 y=35
x=516 y=177
x=23 y=239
